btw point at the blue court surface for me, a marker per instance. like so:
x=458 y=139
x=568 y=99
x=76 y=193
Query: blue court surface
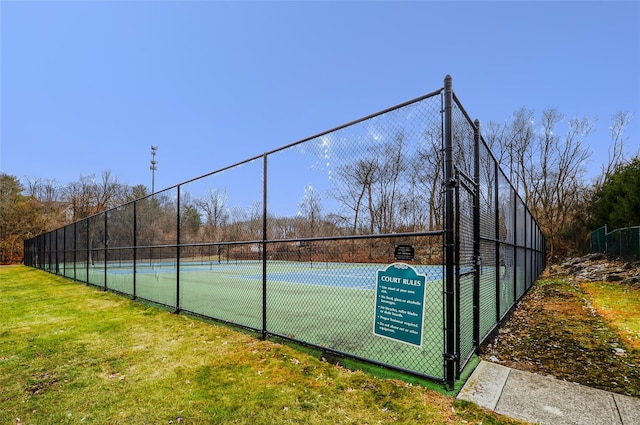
x=345 y=275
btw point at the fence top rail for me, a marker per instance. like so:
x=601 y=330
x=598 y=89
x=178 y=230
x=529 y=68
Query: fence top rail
x=260 y=241
x=603 y=229
x=624 y=229
x=350 y=237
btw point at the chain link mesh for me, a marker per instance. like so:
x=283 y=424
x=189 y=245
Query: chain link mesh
x=510 y=247
x=619 y=243
x=291 y=243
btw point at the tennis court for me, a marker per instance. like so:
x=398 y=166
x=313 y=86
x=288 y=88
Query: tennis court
x=305 y=265
x=327 y=304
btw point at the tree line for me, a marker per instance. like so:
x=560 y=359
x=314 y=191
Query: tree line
x=395 y=186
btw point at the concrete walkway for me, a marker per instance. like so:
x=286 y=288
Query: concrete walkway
x=545 y=400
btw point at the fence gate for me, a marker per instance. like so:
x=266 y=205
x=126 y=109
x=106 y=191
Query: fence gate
x=466 y=272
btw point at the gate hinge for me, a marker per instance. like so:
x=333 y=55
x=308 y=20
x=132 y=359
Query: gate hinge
x=450 y=183
x=452 y=357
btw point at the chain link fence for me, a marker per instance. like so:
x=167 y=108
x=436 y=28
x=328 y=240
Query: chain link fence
x=394 y=239
x=621 y=244
x=500 y=250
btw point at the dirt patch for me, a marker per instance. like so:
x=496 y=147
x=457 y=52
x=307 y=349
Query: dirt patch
x=40 y=383
x=555 y=331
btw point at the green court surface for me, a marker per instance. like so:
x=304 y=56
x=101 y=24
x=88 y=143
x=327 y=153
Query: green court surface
x=326 y=304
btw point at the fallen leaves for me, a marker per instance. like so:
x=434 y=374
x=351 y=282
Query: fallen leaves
x=555 y=331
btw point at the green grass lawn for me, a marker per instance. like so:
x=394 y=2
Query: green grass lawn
x=72 y=354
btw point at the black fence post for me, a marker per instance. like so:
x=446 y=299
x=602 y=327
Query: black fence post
x=64 y=251
x=75 y=249
x=497 y=243
x=456 y=267
x=135 y=247
x=178 y=251
x=106 y=237
x=450 y=356
x=55 y=232
x=477 y=260
x=526 y=248
x=89 y=253
x=265 y=332
x=516 y=199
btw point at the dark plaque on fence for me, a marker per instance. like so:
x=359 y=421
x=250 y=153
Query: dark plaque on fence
x=404 y=252
x=399 y=306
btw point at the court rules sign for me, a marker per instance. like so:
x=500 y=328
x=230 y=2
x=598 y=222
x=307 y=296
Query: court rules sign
x=399 y=310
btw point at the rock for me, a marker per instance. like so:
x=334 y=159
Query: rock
x=596 y=268
x=596 y=256
x=557 y=269
x=614 y=277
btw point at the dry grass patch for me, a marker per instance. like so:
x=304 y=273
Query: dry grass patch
x=620 y=307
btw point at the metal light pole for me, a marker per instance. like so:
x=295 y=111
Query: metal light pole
x=153 y=167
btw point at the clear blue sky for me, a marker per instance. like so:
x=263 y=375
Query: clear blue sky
x=89 y=86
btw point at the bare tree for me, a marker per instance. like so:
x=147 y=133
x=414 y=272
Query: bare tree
x=237 y=227
x=78 y=195
x=546 y=166
x=617 y=154
x=214 y=206
x=47 y=191
x=556 y=176
x=88 y=195
x=391 y=166
x=495 y=135
x=108 y=192
x=371 y=188
x=50 y=195
x=427 y=170
x=310 y=208
x=355 y=183
x=254 y=228
x=519 y=148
